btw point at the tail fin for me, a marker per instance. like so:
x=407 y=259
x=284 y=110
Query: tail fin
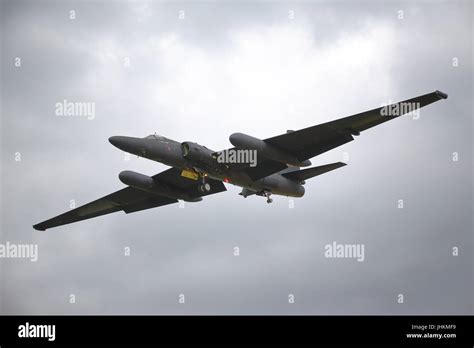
x=301 y=175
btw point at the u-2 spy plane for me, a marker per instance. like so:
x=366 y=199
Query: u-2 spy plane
x=197 y=171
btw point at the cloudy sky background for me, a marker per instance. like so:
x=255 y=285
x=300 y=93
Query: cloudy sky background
x=238 y=67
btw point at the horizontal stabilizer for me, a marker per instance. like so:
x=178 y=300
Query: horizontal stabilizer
x=247 y=192
x=301 y=175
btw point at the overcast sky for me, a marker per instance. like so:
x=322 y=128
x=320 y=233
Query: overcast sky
x=199 y=72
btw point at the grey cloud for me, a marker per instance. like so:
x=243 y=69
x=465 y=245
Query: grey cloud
x=189 y=250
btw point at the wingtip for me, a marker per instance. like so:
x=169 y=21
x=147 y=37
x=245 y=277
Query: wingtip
x=39 y=227
x=441 y=95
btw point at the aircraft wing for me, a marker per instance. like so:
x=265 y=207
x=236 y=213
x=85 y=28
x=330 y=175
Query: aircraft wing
x=130 y=200
x=264 y=167
x=312 y=141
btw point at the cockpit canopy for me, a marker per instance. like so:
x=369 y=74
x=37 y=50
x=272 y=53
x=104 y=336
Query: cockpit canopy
x=156 y=137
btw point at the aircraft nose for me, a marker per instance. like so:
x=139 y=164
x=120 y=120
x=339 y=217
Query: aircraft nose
x=128 y=144
x=116 y=141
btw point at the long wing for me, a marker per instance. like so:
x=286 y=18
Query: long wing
x=130 y=200
x=312 y=141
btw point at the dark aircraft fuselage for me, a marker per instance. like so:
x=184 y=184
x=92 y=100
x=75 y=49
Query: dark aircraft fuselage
x=194 y=157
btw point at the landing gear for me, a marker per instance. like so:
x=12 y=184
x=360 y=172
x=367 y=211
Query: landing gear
x=269 y=199
x=204 y=187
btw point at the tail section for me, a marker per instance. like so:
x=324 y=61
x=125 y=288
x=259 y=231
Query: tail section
x=302 y=175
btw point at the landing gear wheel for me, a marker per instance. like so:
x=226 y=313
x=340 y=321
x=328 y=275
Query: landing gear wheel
x=205 y=187
x=267 y=194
